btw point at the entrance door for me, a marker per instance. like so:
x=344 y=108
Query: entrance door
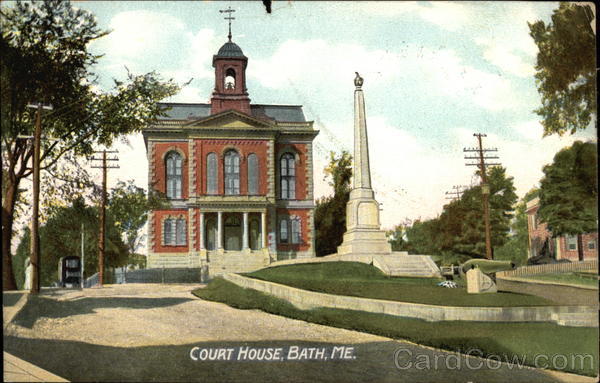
x=233 y=233
x=254 y=232
x=211 y=234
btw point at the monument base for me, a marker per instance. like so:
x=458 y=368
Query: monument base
x=365 y=242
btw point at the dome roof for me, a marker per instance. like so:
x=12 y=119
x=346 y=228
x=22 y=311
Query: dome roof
x=230 y=49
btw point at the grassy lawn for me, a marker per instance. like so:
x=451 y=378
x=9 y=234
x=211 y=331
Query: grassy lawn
x=362 y=280
x=509 y=340
x=578 y=278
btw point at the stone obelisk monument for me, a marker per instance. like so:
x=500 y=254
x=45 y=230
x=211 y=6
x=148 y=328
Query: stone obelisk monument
x=363 y=234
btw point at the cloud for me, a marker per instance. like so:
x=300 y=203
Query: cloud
x=145 y=41
x=499 y=29
x=448 y=15
x=506 y=58
x=525 y=159
x=408 y=177
x=313 y=63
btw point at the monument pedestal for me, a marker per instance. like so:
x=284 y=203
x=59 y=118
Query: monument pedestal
x=363 y=234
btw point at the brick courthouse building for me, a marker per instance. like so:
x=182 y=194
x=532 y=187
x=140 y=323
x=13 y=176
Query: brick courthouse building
x=238 y=178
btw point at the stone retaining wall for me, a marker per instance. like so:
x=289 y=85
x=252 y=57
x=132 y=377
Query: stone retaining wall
x=304 y=299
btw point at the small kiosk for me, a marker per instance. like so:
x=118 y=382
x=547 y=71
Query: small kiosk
x=69 y=271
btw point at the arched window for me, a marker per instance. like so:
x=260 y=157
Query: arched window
x=252 y=174
x=174 y=172
x=230 y=79
x=174 y=232
x=232 y=172
x=288 y=176
x=283 y=231
x=211 y=173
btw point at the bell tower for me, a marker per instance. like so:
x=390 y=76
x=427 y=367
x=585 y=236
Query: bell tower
x=230 y=76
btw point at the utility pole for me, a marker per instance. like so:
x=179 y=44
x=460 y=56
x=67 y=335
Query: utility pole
x=485 y=188
x=457 y=193
x=82 y=258
x=101 y=239
x=34 y=247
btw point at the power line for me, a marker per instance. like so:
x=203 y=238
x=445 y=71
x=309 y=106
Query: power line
x=101 y=240
x=485 y=188
x=457 y=192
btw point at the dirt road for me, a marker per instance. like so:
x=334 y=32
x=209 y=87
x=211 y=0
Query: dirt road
x=146 y=332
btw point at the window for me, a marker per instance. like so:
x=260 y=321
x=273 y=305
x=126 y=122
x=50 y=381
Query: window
x=174 y=232
x=252 y=174
x=180 y=232
x=592 y=245
x=232 y=173
x=211 y=173
x=288 y=176
x=572 y=242
x=174 y=172
x=283 y=231
x=290 y=230
x=296 y=236
x=230 y=79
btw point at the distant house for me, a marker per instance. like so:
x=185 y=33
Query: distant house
x=541 y=242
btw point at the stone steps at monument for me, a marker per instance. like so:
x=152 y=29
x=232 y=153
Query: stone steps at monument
x=407 y=265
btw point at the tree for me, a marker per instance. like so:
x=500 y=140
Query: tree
x=421 y=237
x=45 y=59
x=458 y=233
x=569 y=192
x=61 y=234
x=515 y=249
x=330 y=213
x=471 y=240
x=129 y=207
x=566 y=69
x=396 y=237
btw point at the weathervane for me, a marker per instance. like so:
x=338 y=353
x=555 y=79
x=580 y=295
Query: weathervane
x=228 y=11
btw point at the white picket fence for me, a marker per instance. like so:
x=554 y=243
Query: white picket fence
x=550 y=268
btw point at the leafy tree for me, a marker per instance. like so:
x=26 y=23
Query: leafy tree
x=502 y=199
x=459 y=232
x=330 y=213
x=129 y=207
x=396 y=237
x=421 y=237
x=569 y=191
x=45 y=59
x=515 y=249
x=566 y=69
x=60 y=237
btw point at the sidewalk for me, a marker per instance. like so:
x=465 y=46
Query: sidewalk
x=18 y=370
x=15 y=369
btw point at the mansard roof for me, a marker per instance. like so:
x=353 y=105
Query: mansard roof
x=195 y=111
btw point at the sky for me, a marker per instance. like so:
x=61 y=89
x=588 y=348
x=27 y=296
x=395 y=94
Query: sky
x=434 y=74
